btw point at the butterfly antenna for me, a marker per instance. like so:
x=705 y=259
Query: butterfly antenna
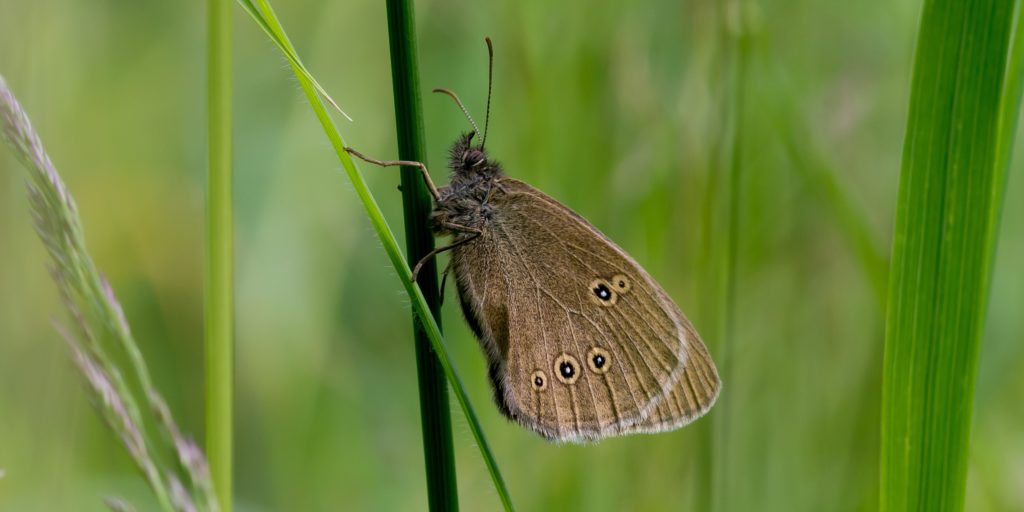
x=490 y=76
x=461 y=106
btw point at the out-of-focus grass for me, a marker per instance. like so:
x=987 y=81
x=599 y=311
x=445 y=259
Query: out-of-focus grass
x=606 y=106
x=219 y=263
x=722 y=221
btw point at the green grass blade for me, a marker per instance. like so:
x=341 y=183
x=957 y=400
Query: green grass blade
x=1011 y=95
x=435 y=418
x=263 y=11
x=951 y=188
x=289 y=53
x=219 y=265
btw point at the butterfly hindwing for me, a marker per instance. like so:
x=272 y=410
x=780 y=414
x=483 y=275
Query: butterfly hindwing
x=692 y=395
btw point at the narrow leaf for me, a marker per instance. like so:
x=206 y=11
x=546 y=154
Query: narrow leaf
x=951 y=188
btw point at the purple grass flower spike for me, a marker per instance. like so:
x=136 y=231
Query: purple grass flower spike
x=101 y=334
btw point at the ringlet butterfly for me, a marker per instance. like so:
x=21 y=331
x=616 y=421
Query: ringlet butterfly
x=582 y=343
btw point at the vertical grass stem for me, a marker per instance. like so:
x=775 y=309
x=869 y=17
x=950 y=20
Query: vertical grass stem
x=419 y=240
x=219 y=267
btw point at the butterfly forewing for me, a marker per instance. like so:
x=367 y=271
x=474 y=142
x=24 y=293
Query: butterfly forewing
x=583 y=342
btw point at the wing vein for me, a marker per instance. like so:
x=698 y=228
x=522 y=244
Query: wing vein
x=643 y=317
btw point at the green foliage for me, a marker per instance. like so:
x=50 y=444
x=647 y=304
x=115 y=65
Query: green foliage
x=616 y=109
x=962 y=116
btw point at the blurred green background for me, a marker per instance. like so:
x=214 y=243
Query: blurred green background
x=626 y=112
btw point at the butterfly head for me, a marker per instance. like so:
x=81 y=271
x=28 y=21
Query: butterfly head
x=471 y=157
x=467 y=158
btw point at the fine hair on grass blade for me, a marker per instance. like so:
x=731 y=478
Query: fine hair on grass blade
x=289 y=53
x=265 y=14
x=99 y=329
x=962 y=117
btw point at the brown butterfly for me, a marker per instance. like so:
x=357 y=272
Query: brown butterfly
x=582 y=343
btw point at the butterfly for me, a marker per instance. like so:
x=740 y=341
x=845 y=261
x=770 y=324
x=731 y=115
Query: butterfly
x=581 y=341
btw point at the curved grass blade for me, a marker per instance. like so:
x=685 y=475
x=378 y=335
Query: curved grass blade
x=289 y=53
x=387 y=239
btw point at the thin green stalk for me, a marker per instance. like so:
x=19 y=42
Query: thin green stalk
x=435 y=420
x=726 y=281
x=719 y=261
x=218 y=270
x=265 y=17
x=962 y=118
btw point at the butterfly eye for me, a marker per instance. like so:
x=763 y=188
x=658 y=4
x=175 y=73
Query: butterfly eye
x=539 y=381
x=473 y=157
x=602 y=293
x=599 y=360
x=621 y=283
x=567 y=369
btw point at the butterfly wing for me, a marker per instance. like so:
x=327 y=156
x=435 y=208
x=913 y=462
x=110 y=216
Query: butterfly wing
x=690 y=397
x=582 y=342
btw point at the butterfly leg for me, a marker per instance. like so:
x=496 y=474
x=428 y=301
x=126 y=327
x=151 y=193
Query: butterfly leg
x=444 y=279
x=462 y=229
x=473 y=233
x=407 y=163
